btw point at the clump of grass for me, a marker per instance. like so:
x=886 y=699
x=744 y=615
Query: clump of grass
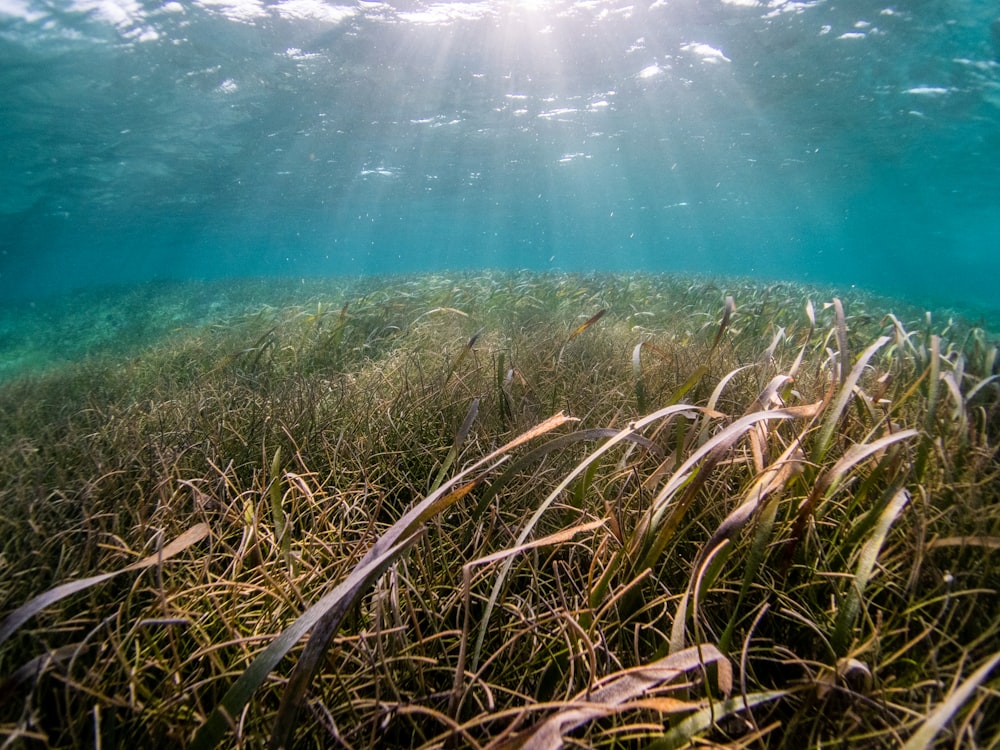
x=509 y=510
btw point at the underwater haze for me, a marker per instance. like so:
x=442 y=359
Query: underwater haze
x=836 y=142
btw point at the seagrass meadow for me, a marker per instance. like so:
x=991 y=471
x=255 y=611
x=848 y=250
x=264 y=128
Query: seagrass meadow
x=498 y=510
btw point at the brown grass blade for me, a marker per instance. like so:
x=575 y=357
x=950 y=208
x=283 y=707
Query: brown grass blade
x=986 y=542
x=829 y=480
x=584 y=326
x=383 y=551
x=832 y=418
x=333 y=606
x=30 y=608
x=848 y=611
x=619 y=690
x=653 y=530
x=924 y=737
x=727 y=312
x=557 y=538
x=529 y=527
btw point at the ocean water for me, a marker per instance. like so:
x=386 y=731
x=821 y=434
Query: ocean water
x=841 y=142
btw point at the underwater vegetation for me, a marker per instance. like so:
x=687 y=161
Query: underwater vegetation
x=509 y=511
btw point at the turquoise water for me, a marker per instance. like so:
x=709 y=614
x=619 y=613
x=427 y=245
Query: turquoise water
x=847 y=143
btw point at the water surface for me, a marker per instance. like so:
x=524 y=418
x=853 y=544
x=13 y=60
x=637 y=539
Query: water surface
x=848 y=143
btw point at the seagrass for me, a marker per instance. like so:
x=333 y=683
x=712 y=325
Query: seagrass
x=502 y=510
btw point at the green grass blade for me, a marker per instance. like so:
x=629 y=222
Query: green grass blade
x=461 y=356
x=843 y=357
x=391 y=543
x=828 y=482
x=930 y=418
x=866 y=564
x=654 y=531
x=832 y=419
x=686 y=731
x=278 y=516
x=705 y=569
x=923 y=738
x=32 y=607
x=622 y=688
x=757 y=503
x=640 y=385
x=334 y=604
x=537 y=454
x=688 y=384
x=456 y=447
x=529 y=527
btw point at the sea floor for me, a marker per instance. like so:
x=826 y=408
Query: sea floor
x=503 y=510
x=37 y=335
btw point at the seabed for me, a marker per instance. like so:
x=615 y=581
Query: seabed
x=502 y=510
